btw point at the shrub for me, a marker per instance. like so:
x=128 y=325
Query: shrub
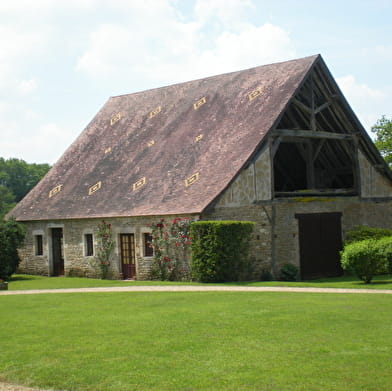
x=289 y=272
x=362 y=232
x=11 y=237
x=363 y=259
x=384 y=251
x=220 y=249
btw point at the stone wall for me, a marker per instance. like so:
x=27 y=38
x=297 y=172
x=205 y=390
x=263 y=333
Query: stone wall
x=354 y=212
x=75 y=261
x=373 y=184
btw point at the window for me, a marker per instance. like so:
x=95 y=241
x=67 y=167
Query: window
x=148 y=250
x=88 y=245
x=39 y=249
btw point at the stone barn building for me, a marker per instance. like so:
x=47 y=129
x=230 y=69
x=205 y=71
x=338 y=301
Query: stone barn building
x=277 y=144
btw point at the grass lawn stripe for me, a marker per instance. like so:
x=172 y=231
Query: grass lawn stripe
x=197 y=341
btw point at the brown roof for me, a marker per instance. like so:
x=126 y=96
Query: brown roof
x=170 y=150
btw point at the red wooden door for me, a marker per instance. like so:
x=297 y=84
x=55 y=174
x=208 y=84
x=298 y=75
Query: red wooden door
x=128 y=261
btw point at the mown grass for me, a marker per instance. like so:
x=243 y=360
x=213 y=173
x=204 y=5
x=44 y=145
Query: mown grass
x=197 y=341
x=22 y=282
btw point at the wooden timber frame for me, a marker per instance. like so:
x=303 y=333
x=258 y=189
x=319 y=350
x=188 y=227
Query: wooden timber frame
x=315 y=142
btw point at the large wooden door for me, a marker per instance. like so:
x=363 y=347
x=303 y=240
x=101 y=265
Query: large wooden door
x=320 y=241
x=128 y=262
x=57 y=252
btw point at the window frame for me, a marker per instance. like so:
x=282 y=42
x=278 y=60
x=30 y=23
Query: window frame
x=88 y=244
x=39 y=245
x=148 y=250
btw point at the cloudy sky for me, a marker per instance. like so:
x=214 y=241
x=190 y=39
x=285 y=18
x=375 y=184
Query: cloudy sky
x=60 y=60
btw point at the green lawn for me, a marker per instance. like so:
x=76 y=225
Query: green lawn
x=38 y=282
x=197 y=341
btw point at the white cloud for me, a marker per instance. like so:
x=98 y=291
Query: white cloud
x=365 y=101
x=26 y=87
x=231 y=13
x=172 y=50
x=33 y=147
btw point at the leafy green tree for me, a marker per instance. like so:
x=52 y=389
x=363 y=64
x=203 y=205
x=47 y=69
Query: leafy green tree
x=12 y=235
x=383 y=141
x=20 y=177
x=6 y=201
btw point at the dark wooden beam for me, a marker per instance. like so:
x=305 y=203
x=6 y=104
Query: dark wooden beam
x=275 y=145
x=322 y=107
x=312 y=134
x=302 y=106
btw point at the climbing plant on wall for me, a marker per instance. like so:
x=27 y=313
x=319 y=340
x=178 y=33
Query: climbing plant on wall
x=105 y=245
x=171 y=243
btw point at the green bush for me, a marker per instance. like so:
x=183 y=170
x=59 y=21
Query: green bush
x=289 y=272
x=384 y=251
x=362 y=232
x=363 y=259
x=11 y=237
x=220 y=249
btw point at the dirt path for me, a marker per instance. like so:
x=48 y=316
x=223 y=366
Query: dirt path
x=196 y=288
x=15 y=387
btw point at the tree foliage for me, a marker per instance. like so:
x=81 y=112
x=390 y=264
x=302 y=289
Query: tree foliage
x=383 y=141
x=17 y=178
x=11 y=237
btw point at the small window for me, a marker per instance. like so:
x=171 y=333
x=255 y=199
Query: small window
x=39 y=249
x=88 y=245
x=148 y=250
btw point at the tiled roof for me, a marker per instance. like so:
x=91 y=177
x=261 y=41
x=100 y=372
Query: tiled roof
x=170 y=150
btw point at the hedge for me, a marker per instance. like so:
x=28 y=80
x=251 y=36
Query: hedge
x=220 y=249
x=11 y=237
x=362 y=232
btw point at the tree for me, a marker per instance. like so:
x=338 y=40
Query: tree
x=17 y=178
x=383 y=141
x=20 y=177
x=6 y=201
x=11 y=237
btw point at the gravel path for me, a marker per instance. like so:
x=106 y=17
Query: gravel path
x=15 y=387
x=196 y=288
x=177 y=288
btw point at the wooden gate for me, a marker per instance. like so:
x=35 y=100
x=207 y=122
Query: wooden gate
x=57 y=252
x=320 y=240
x=128 y=262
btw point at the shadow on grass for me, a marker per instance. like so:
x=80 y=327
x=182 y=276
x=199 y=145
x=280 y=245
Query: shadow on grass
x=23 y=277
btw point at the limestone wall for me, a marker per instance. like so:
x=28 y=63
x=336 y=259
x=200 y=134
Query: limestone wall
x=373 y=184
x=75 y=261
x=354 y=212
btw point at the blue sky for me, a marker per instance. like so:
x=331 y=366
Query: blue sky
x=61 y=60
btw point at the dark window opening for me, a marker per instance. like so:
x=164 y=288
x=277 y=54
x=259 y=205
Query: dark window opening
x=148 y=249
x=39 y=249
x=319 y=166
x=289 y=169
x=89 y=245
